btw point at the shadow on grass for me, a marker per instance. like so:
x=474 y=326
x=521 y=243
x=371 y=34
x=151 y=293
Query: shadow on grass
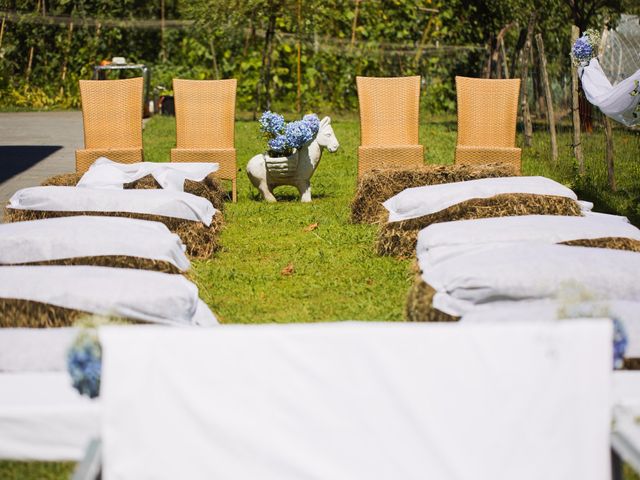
x=15 y=159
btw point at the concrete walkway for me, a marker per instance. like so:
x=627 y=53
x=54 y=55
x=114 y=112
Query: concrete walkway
x=35 y=146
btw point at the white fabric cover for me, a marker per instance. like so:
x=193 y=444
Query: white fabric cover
x=86 y=236
x=626 y=411
x=358 y=401
x=441 y=241
x=35 y=349
x=105 y=173
x=168 y=203
x=548 y=310
x=419 y=201
x=43 y=418
x=531 y=271
x=606 y=217
x=138 y=294
x=616 y=101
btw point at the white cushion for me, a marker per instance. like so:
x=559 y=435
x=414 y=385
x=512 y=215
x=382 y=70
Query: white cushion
x=137 y=294
x=532 y=271
x=358 y=401
x=105 y=173
x=420 y=201
x=87 y=236
x=441 y=241
x=168 y=203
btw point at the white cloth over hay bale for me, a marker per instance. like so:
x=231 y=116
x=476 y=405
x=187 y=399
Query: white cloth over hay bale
x=43 y=418
x=419 y=201
x=531 y=271
x=358 y=401
x=85 y=236
x=133 y=294
x=166 y=203
x=628 y=312
x=441 y=241
x=105 y=173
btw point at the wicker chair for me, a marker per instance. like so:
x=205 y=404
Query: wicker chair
x=205 y=116
x=112 y=121
x=487 y=113
x=389 y=119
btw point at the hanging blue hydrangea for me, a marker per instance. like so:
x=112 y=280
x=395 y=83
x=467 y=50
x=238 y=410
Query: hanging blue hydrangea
x=585 y=48
x=84 y=363
x=278 y=144
x=620 y=341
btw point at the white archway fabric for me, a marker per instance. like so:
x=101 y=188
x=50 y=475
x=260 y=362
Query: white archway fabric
x=620 y=102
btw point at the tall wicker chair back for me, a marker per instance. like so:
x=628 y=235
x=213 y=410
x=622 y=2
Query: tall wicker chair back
x=112 y=121
x=205 y=122
x=487 y=115
x=389 y=120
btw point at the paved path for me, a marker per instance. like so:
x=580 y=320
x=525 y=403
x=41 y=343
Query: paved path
x=34 y=146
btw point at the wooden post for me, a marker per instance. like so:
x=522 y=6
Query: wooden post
x=575 y=108
x=4 y=19
x=524 y=73
x=503 y=52
x=163 y=52
x=65 y=62
x=354 y=25
x=29 y=64
x=608 y=133
x=549 y=100
x=299 y=92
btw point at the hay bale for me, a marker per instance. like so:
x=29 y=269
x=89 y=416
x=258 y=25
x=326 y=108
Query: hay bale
x=17 y=313
x=201 y=241
x=113 y=261
x=377 y=186
x=616 y=243
x=419 y=307
x=399 y=238
x=209 y=188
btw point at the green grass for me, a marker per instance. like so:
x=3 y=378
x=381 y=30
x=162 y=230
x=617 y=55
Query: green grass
x=336 y=274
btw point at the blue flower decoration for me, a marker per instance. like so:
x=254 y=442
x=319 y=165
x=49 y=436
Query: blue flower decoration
x=582 y=50
x=298 y=134
x=278 y=144
x=620 y=341
x=271 y=123
x=313 y=122
x=84 y=363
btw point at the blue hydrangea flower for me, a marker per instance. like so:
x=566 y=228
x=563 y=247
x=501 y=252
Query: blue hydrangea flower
x=620 y=341
x=582 y=50
x=313 y=122
x=271 y=123
x=297 y=134
x=84 y=363
x=278 y=144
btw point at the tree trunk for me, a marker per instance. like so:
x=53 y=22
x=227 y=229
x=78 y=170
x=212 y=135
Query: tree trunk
x=163 y=52
x=575 y=108
x=65 y=62
x=299 y=63
x=4 y=19
x=549 y=100
x=29 y=64
x=265 y=73
x=524 y=73
x=354 y=24
x=608 y=133
x=505 y=65
x=212 y=48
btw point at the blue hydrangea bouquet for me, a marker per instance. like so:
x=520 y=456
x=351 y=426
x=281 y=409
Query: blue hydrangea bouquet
x=84 y=363
x=284 y=138
x=585 y=48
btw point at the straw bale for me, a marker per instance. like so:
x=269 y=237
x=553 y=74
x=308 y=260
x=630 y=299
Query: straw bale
x=616 y=243
x=419 y=307
x=17 y=313
x=399 y=238
x=377 y=186
x=201 y=241
x=209 y=188
x=114 y=261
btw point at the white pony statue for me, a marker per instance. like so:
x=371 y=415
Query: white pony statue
x=267 y=173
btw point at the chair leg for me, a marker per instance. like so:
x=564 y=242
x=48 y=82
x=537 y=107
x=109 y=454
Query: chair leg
x=234 y=192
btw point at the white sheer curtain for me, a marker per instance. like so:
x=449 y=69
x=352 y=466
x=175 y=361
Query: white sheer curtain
x=620 y=102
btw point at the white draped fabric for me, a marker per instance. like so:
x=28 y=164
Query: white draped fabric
x=358 y=401
x=125 y=292
x=441 y=241
x=528 y=271
x=418 y=201
x=167 y=203
x=35 y=349
x=620 y=101
x=87 y=236
x=105 y=173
